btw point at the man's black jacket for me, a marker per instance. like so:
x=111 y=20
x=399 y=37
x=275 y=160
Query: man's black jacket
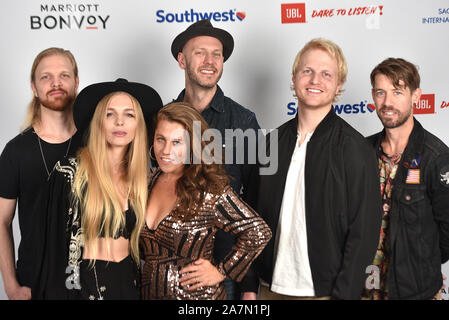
x=419 y=217
x=343 y=207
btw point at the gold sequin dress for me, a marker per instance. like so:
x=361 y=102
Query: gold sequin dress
x=177 y=242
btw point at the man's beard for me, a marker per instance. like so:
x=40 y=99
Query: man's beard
x=391 y=124
x=193 y=77
x=60 y=103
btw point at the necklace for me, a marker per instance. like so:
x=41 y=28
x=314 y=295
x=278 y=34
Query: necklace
x=43 y=157
x=100 y=297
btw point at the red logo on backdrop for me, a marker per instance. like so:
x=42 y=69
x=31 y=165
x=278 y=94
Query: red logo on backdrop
x=241 y=15
x=444 y=104
x=293 y=12
x=425 y=105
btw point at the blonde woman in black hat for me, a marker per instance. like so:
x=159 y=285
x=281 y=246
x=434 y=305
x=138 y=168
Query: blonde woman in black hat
x=95 y=203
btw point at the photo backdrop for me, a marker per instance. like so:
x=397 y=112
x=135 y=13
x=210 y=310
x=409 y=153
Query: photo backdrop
x=131 y=39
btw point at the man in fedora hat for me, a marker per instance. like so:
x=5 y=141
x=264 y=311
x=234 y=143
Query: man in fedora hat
x=48 y=134
x=201 y=51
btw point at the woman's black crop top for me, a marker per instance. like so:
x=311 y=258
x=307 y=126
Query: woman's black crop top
x=130 y=223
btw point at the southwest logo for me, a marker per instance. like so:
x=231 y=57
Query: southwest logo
x=361 y=107
x=241 y=15
x=426 y=104
x=293 y=13
x=194 y=16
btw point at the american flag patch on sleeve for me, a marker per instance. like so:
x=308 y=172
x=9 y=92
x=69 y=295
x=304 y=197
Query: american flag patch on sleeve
x=412 y=176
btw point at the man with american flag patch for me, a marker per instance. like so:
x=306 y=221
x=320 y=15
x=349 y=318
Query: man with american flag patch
x=413 y=167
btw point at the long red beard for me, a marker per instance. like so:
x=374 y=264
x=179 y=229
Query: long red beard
x=60 y=103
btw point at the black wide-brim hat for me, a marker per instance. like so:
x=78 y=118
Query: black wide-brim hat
x=203 y=28
x=87 y=100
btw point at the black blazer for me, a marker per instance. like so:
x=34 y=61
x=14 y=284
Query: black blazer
x=343 y=207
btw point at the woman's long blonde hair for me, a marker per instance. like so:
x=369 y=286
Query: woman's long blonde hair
x=93 y=185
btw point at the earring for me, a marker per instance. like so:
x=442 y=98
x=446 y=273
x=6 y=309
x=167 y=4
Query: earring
x=151 y=153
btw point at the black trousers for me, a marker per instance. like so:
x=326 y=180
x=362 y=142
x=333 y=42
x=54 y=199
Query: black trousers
x=108 y=280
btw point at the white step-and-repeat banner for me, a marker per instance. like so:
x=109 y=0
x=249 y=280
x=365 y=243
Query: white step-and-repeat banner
x=131 y=39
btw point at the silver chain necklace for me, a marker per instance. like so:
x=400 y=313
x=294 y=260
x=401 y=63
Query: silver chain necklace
x=43 y=157
x=100 y=297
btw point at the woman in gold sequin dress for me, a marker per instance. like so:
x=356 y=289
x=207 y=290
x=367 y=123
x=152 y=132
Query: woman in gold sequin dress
x=189 y=201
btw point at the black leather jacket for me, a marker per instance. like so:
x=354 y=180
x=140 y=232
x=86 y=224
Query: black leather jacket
x=419 y=217
x=343 y=207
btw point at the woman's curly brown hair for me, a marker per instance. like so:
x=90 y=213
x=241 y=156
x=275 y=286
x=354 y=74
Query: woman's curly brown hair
x=197 y=179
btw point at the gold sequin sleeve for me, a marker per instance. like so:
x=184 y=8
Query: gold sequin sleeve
x=252 y=233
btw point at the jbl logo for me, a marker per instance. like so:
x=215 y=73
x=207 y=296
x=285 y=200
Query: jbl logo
x=293 y=12
x=425 y=105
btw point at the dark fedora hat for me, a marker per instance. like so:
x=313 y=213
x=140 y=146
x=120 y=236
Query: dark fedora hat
x=88 y=99
x=203 y=28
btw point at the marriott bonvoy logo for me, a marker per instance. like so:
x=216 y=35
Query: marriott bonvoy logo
x=80 y=16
